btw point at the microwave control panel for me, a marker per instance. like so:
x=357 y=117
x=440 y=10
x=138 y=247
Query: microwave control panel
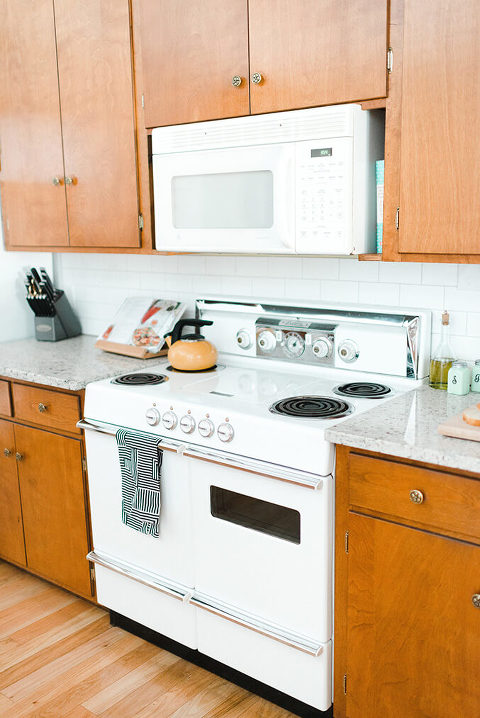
x=324 y=196
x=295 y=340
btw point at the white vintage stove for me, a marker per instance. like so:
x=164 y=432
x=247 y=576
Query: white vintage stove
x=242 y=570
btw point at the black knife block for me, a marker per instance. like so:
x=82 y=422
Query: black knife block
x=63 y=325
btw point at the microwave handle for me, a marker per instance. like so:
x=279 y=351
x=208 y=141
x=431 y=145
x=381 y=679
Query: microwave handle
x=288 y=240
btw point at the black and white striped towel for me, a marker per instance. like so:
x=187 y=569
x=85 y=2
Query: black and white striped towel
x=140 y=464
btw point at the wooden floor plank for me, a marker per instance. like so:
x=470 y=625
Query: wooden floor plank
x=60 y=658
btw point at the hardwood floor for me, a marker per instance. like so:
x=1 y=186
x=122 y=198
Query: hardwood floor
x=60 y=658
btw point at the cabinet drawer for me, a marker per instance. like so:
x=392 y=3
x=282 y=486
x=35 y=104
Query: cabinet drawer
x=5 y=404
x=435 y=500
x=48 y=408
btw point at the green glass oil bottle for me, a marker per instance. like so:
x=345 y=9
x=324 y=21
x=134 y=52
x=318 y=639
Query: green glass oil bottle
x=442 y=358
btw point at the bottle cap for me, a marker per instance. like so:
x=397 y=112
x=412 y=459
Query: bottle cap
x=445 y=317
x=477 y=362
x=459 y=363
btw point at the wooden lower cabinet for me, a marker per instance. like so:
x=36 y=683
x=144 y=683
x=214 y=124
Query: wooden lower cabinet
x=407 y=597
x=12 y=544
x=53 y=503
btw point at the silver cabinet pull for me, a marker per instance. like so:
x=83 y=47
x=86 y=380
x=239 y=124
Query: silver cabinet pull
x=57 y=181
x=416 y=496
x=253 y=623
x=42 y=408
x=257 y=78
x=236 y=80
x=7 y=452
x=141 y=576
x=71 y=180
x=476 y=600
x=19 y=456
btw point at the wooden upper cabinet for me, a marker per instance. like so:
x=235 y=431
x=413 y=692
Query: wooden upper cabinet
x=439 y=125
x=95 y=79
x=192 y=50
x=413 y=648
x=31 y=161
x=12 y=545
x=317 y=52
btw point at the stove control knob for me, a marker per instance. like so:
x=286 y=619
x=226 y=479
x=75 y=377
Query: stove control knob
x=152 y=416
x=266 y=341
x=244 y=340
x=169 y=420
x=206 y=428
x=348 y=351
x=322 y=348
x=225 y=432
x=187 y=424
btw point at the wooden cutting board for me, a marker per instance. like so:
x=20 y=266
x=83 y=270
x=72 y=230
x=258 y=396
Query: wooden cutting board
x=458 y=428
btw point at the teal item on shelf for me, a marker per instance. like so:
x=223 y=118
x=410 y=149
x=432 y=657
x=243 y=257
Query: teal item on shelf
x=459 y=378
x=379 y=177
x=476 y=376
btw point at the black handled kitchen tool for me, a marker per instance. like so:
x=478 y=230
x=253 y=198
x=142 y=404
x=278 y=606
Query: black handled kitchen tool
x=54 y=317
x=179 y=326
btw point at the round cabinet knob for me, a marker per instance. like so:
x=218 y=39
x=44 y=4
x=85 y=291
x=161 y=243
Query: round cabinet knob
x=236 y=80
x=152 y=416
x=187 y=424
x=42 y=408
x=206 y=428
x=322 y=348
x=266 y=341
x=244 y=339
x=18 y=456
x=348 y=351
x=169 y=420
x=70 y=180
x=476 y=600
x=225 y=432
x=57 y=181
x=257 y=78
x=7 y=452
x=416 y=496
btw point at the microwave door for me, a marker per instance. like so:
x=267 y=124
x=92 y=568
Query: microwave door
x=239 y=200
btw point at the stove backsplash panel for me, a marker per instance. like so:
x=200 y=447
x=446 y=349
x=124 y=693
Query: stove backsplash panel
x=98 y=283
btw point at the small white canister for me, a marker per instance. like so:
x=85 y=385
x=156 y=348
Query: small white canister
x=476 y=376
x=459 y=378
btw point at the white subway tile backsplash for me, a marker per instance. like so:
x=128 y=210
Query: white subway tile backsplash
x=98 y=283
x=400 y=272
x=379 y=294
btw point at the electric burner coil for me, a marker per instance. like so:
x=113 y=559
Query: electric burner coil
x=312 y=407
x=142 y=379
x=363 y=390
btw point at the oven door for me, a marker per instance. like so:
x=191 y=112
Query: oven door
x=233 y=200
x=265 y=546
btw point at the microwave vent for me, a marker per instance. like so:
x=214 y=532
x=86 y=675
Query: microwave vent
x=311 y=124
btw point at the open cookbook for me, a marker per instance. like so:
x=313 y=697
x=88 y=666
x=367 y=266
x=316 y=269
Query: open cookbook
x=139 y=326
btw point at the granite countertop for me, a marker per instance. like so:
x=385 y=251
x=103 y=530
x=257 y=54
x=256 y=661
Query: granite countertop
x=68 y=364
x=406 y=426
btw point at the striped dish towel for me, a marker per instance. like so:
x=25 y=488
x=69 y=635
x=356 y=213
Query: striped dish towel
x=140 y=463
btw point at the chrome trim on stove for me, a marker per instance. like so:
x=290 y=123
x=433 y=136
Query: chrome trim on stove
x=254 y=623
x=141 y=576
x=216 y=456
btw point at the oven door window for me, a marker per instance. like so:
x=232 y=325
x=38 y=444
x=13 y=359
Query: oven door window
x=273 y=519
x=226 y=200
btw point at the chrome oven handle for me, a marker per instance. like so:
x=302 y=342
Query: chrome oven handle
x=294 y=640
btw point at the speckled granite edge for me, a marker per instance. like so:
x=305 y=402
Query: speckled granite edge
x=407 y=427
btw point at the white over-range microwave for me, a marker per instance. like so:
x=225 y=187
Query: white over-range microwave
x=300 y=182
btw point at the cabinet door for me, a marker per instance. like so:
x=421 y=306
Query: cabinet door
x=317 y=52
x=95 y=79
x=191 y=51
x=440 y=125
x=12 y=545
x=33 y=206
x=413 y=630
x=54 y=507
